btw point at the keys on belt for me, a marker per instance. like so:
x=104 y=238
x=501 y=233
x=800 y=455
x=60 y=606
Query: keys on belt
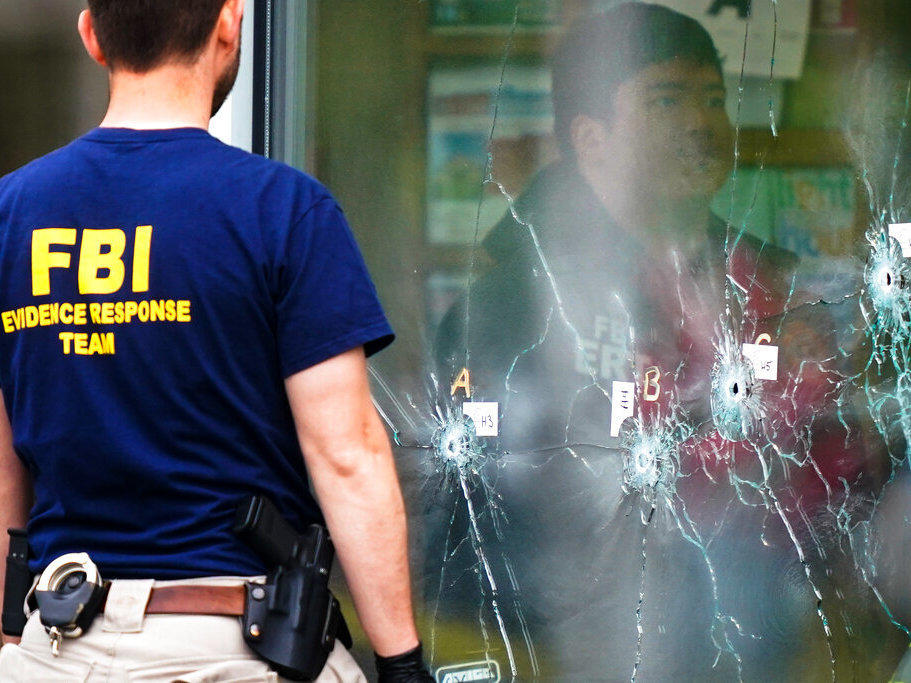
x=69 y=595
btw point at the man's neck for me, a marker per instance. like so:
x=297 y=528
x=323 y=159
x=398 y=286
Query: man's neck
x=170 y=96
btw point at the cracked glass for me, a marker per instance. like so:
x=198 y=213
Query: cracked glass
x=650 y=398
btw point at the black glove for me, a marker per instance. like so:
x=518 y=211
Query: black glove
x=407 y=667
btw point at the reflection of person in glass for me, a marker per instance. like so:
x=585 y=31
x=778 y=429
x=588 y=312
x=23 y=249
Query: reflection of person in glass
x=645 y=144
x=642 y=127
x=611 y=267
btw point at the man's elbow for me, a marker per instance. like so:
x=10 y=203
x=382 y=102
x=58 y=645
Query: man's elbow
x=360 y=452
x=352 y=464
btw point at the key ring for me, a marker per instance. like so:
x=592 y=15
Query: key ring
x=70 y=594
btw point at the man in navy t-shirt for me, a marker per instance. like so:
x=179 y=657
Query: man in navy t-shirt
x=179 y=322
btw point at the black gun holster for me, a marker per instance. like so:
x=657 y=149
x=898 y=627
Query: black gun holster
x=293 y=623
x=293 y=620
x=17 y=584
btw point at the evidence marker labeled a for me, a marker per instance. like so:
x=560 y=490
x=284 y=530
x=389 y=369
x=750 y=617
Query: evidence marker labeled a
x=484 y=414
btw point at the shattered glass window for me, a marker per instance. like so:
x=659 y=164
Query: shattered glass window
x=651 y=394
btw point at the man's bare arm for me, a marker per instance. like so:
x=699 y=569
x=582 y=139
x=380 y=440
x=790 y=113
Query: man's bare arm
x=350 y=462
x=15 y=495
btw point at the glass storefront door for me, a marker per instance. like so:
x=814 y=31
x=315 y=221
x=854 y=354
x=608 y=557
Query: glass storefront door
x=647 y=264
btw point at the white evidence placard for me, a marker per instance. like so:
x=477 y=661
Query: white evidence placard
x=902 y=233
x=623 y=403
x=485 y=415
x=764 y=358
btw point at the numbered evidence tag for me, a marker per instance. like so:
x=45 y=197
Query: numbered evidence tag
x=623 y=399
x=902 y=232
x=764 y=358
x=485 y=415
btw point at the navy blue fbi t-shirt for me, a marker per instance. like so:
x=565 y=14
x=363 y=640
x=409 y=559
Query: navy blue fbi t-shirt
x=156 y=287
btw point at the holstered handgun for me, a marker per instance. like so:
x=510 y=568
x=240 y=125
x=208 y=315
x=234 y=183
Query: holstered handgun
x=293 y=619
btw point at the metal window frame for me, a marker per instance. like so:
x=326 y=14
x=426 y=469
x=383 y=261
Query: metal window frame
x=282 y=82
x=263 y=27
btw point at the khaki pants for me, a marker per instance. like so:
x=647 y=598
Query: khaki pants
x=125 y=645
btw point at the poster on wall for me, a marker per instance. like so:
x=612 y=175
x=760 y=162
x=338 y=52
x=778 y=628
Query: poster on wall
x=809 y=211
x=814 y=210
x=492 y=13
x=462 y=100
x=784 y=25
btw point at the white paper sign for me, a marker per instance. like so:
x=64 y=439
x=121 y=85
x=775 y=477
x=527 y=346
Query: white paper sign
x=623 y=401
x=764 y=358
x=902 y=232
x=726 y=22
x=485 y=415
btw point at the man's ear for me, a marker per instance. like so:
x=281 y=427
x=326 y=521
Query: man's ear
x=230 y=21
x=588 y=137
x=89 y=39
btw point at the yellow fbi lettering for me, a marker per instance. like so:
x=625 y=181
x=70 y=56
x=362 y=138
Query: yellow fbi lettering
x=100 y=269
x=83 y=344
x=107 y=313
x=43 y=316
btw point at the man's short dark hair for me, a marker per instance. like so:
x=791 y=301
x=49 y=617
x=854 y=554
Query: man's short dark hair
x=599 y=52
x=139 y=35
